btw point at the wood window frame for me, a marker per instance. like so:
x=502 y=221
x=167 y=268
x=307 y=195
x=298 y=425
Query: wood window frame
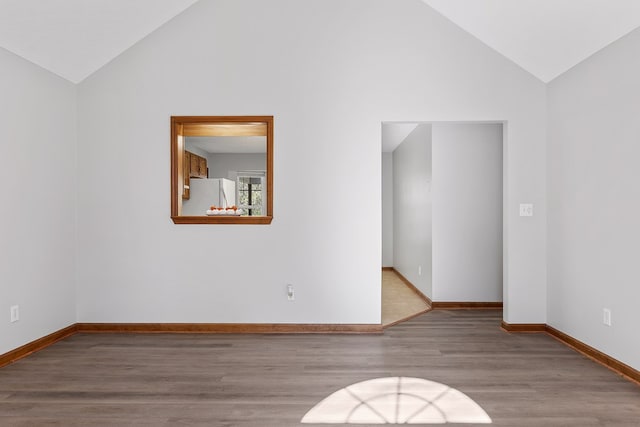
x=177 y=179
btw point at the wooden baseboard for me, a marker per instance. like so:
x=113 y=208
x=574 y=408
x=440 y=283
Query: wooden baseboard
x=412 y=287
x=230 y=328
x=204 y=328
x=615 y=365
x=524 y=327
x=471 y=305
x=597 y=356
x=36 y=345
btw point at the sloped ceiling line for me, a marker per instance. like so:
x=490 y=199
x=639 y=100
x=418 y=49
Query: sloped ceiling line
x=75 y=38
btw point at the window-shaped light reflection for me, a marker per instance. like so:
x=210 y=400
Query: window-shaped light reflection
x=397 y=400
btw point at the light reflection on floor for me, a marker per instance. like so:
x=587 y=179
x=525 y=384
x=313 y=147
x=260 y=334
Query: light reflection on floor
x=397 y=400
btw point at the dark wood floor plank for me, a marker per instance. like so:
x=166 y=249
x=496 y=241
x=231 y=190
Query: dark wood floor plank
x=273 y=380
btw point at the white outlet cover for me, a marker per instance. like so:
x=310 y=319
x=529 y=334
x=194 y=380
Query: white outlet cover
x=526 y=209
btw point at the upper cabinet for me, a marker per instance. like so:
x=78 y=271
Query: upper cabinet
x=194 y=166
x=197 y=165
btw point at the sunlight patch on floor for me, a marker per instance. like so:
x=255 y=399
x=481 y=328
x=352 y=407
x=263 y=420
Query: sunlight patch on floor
x=397 y=400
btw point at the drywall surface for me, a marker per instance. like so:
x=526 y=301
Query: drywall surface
x=594 y=200
x=37 y=224
x=225 y=165
x=412 y=201
x=330 y=72
x=387 y=210
x=467 y=212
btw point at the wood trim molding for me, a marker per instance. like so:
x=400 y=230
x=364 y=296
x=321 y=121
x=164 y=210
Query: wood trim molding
x=230 y=328
x=524 y=327
x=222 y=219
x=37 y=345
x=205 y=328
x=447 y=305
x=597 y=356
x=615 y=365
x=609 y=362
x=201 y=125
x=411 y=286
x=467 y=305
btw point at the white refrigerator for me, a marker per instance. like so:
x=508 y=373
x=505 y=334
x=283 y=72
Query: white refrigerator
x=204 y=193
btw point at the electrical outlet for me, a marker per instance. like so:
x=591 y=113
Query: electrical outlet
x=15 y=313
x=419 y=270
x=290 y=294
x=606 y=316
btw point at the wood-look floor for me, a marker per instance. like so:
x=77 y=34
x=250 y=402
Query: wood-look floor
x=399 y=302
x=273 y=380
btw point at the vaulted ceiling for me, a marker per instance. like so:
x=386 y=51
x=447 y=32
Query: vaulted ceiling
x=545 y=37
x=74 y=38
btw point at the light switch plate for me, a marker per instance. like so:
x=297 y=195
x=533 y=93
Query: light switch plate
x=526 y=209
x=15 y=313
x=606 y=316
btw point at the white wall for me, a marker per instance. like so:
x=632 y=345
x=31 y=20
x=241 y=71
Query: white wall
x=387 y=209
x=37 y=221
x=222 y=163
x=412 y=201
x=594 y=200
x=330 y=72
x=467 y=212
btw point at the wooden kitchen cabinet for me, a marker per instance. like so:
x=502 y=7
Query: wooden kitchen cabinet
x=203 y=167
x=197 y=165
x=194 y=166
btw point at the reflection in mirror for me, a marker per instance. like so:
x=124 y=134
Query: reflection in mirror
x=221 y=169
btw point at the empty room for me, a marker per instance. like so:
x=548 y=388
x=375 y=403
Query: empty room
x=319 y=212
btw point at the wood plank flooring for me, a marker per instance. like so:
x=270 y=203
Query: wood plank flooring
x=273 y=380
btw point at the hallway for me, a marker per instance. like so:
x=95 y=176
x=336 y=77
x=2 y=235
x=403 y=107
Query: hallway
x=399 y=301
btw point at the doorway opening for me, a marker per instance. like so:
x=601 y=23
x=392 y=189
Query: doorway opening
x=442 y=210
